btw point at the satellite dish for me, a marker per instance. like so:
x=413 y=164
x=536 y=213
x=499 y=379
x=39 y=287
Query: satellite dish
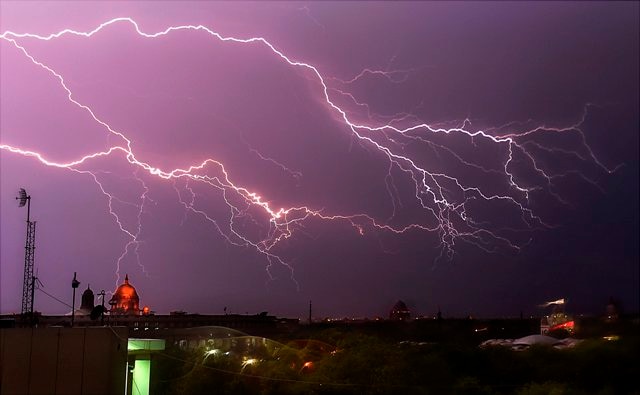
x=23 y=197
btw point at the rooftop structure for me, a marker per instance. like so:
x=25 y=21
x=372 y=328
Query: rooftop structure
x=125 y=300
x=400 y=312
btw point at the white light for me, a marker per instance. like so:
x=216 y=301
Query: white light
x=250 y=361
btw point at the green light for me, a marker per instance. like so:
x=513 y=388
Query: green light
x=141 y=350
x=145 y=345
x=141 y=377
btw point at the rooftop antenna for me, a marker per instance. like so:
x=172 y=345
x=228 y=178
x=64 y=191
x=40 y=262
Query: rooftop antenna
x=29 y=249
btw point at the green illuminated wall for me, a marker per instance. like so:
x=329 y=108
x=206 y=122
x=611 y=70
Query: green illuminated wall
x=141 y=376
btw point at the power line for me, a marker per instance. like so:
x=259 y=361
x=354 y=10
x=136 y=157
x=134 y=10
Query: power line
x=53 y=297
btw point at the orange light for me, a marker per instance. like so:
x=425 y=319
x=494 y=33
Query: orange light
x=566 y=325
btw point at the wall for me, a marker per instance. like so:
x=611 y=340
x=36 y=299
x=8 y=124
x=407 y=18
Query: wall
x=57 y=360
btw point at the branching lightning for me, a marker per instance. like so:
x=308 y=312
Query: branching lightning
x=443 y=198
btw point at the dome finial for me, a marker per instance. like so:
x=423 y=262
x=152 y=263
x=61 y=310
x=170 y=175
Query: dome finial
x=126 y=278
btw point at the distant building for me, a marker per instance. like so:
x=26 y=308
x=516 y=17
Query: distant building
x=87 y=303
x=85 y=308
x=558 y=320
x=400 y=312
x=612 y=311
x=125 y=311
x=125 y=300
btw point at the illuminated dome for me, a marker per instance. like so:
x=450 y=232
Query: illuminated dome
x=125 y=300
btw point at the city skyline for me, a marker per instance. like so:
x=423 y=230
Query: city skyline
x=256 y=158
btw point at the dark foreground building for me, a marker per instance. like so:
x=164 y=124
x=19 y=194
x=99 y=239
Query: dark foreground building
x=111 y=353
x=63 y=360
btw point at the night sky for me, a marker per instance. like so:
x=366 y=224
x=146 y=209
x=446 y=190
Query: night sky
x=480 y=158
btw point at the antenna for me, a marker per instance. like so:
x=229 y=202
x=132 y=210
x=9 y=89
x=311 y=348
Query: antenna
x=29 y=250
x=22 y=195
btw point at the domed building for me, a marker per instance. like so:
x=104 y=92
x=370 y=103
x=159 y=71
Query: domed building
x=125 y=300
x=400 y=312
x=86 y=305
x=88 y=300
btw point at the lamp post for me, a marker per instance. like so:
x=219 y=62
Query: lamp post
x=74 y=284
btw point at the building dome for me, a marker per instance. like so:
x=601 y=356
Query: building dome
x=400 y=312
x=125 y=300
x=88 y=301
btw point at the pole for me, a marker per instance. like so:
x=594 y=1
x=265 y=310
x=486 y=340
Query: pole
x=73 y=307
x=74 y=284
x=102 y=311
x=33 y=287
x=28 y=208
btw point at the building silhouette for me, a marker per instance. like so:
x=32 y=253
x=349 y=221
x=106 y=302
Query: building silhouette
x=88 y=300
x=400 y=312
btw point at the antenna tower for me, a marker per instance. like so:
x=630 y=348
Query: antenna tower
x=29 y=249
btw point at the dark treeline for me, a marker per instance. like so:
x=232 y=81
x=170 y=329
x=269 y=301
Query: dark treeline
x=353 y=362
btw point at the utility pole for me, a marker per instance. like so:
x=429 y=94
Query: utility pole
x=309 y=312
x=74 y=284
x=102 y=311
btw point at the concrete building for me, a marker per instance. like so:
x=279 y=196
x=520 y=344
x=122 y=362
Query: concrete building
x=58 y=360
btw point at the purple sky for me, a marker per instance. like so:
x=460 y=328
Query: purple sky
x=477 y=157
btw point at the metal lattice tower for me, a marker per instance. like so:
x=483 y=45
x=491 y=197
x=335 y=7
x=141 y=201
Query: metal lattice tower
x=29 y=255
x=28 y=282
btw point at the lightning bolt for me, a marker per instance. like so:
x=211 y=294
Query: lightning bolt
x=443 y=198
x=553 y=303
x=393 y=76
